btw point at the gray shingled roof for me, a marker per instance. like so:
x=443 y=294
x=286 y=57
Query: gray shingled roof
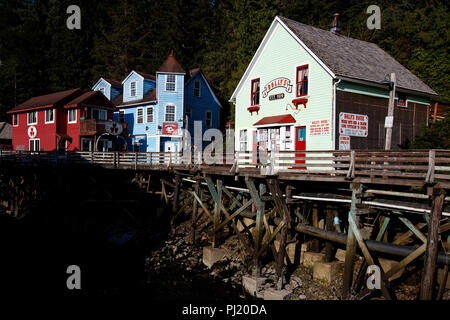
x=353 y=58
x=5 y=131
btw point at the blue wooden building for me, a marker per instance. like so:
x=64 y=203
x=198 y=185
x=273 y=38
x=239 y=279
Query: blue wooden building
x=156 y=108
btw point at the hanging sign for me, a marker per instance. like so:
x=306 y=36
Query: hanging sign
x=351 y=124
x=277 y=83
x=344 y=143
x=319 y=128
x=113 y=127
x=32 y=132
x=169 y=128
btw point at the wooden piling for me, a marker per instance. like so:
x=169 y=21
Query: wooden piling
x=429 y=270
x=194 y=211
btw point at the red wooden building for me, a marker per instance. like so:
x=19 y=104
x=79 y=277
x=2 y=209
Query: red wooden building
x=65 y=120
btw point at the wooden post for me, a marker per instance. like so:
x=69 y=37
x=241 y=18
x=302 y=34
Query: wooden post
x=387 y=145
x=283 y=210
x=176 y=193
x=315 y=243
x=194 y=211
x=148 y=183
x=329 y=249
x=429 y=270
x=351 y=244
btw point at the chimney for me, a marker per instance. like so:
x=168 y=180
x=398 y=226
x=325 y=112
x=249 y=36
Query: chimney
x=335 y=24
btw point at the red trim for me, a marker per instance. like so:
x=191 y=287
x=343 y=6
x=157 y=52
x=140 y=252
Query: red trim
x=253 y=109
x=296 y=81
x=251 y=90
x=31 y=108
x=303 y=101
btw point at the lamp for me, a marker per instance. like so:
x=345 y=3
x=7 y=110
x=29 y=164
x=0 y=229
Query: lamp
x=387 y=79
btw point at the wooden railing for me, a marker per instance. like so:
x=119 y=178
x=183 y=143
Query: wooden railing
x=427 y=166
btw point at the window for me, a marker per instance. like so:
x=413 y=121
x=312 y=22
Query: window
x=34 y=144
x=302 y=80
x=50 y=116
x=255 y=92
x=197 y=88
x=170 y=82
x=121 y=116
x=170 y=113
x=402 y=101
x=32 y=117
x=149 y=114
x=140 y=115
x=243 y=140
x=208 y=120
x=72 y=115
x=189 y=112
x=98 y=114
x=102 y=90
x=15 y=120
x=133 y=88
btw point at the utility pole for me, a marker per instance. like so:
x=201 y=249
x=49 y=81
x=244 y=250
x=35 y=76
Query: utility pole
x=389 y=120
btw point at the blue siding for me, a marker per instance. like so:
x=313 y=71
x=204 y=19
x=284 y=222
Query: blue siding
x=168 y=97
x=126 y=87
x=115 y=92
x=148 y=85
x=107 y=86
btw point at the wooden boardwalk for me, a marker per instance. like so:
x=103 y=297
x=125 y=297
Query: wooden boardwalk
x=273 y=196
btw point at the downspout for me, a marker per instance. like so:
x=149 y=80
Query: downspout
x=333 y=136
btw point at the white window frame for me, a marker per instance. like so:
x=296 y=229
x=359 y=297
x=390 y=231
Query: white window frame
x=16 y=116
x=147 y=114
x=68 y=116
x=137 y=115
x=206 y=118
x=91 y=143
x=243 y=139
x=175 y=83
x=199 y=88
x=28 y=118
x=34 y=144
x=45 y=114
x=100 y=113
x=135 y=88
x=174 y=113
x=104 y=90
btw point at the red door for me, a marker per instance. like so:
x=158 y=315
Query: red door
x=254 y=145
x=300 y=144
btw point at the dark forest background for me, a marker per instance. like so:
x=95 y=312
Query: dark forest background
x=39 y=55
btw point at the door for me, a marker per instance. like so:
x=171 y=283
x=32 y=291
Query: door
x=170 y=146
x=300 y=144
x=254 y=145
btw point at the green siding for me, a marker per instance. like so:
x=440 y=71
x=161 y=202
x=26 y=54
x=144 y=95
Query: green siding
x=376 y=92
x=280 y=58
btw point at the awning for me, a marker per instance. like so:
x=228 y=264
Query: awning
x=274 y=120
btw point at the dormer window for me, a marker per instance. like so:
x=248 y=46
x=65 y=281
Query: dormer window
x=133 y=89
x=102 y=90
x=170 y=82
x=197 y=88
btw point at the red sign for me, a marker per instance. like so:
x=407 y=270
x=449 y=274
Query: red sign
x=319 y=128
x=170 y=128
x=277 y=83
x=344 y=143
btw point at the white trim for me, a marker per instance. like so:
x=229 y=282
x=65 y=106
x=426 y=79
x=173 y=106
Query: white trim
x=132 y=71
x=146 y=114
x=15 y=115
x=174 y=113
x=135 y=88
x=165 y=135
x=28 y=118
x=135 y=104
x=165 y=83
x=45 y=116
x=137 y=116
x=68 y=116
x=34 y=139
x=261 y=49
x=260 y=126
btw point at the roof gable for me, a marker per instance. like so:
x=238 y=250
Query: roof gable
x=197 y=72
x=93 y=98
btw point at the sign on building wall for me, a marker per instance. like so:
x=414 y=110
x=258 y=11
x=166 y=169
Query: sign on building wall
x=344 y=143
x=169 y=128
x=113 y=127
x=351 y=124
x=277 y=83
x=319 y=128
x=32 y=132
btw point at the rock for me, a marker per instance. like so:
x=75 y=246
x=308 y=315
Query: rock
x=302 y=297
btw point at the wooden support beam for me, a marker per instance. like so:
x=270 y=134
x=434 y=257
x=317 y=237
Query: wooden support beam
x=280 y=205
x=194 y=211
x=329 y=249
x=351 y=244
x=426 y=290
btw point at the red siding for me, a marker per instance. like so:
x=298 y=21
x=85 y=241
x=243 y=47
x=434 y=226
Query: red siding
x=73 y=130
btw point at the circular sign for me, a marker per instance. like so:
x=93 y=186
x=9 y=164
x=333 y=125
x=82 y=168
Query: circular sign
x=32 y=132
x=113 y=127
